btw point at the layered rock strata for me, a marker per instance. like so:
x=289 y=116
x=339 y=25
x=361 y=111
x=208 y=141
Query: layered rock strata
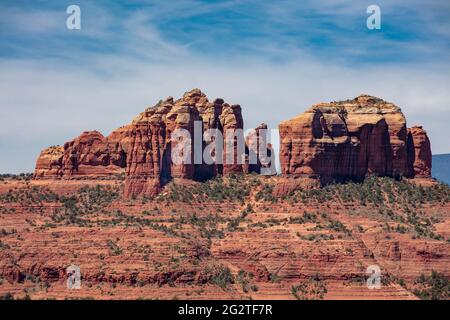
x=89 y=155
x=351 y=139
x=335 y=141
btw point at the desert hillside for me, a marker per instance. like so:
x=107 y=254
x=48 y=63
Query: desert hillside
x=229 y=237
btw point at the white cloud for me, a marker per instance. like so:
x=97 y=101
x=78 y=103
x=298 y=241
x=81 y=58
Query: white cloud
x=36 y=21
x=47 y=103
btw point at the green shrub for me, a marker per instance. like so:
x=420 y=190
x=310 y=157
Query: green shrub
x=312 y=289
x=433 y=287
x=220 y=276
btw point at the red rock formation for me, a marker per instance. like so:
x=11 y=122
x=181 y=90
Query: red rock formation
x=49 y=163
x=232 y=125
x=149 y=162
x=260 y=156
x=89 y=155
x=151 y=141
x=330 y=141
x=209 y=114
x=145 y=146
x=345 y=140
x=118 y=143
x=227 y=119
x=419 y=153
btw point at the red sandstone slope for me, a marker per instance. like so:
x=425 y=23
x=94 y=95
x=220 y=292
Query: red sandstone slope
x=225 y=238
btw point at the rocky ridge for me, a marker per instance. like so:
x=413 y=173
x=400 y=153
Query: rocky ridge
x=337 y=141
x=143 y=148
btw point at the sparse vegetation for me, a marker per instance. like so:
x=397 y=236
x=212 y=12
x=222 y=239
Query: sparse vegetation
x=433 y=287
x=220 y=276
x=16 y=177
x=189 y=221
x=312 y=289
x=29 y=195
x=87 y=201
x=386 y=199
x=244 y=279
x=114 y=248
x=231 y=188
x=4 y=246
x=378 y=191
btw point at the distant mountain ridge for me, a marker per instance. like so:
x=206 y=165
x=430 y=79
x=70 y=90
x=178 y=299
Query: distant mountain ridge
x=441 y=168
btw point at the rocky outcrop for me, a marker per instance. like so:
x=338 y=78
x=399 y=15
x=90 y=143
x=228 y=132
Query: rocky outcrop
x=49 y=163
x=89 y=155
x=346 y=140
x=419 y=153
x=232 y=125
x=145 y=148
x=149 y=163
x=193 y=138
x=152 y=142
x=260 y=156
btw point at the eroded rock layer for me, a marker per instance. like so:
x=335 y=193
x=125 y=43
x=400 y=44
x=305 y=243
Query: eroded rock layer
x=49 y=163
x=260 y=156
x=89 y=155
x=349 y=140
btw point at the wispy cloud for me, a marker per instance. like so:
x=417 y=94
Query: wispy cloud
x=275 y=58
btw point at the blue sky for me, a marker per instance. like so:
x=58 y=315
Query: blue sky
x=275 y=58
x=412 y=31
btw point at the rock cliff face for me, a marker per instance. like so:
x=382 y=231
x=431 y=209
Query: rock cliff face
x=149 y=162
x=89 y=155
x=419 y=153
x=144 y=148
x=260 y=156
x=349 y=140
x=49 y=163
x=335 y=141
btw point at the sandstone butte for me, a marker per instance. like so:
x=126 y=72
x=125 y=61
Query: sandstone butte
x=349 y=140
x=337 y=141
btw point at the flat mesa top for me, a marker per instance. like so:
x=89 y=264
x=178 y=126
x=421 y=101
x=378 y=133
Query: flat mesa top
x=361 y=104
